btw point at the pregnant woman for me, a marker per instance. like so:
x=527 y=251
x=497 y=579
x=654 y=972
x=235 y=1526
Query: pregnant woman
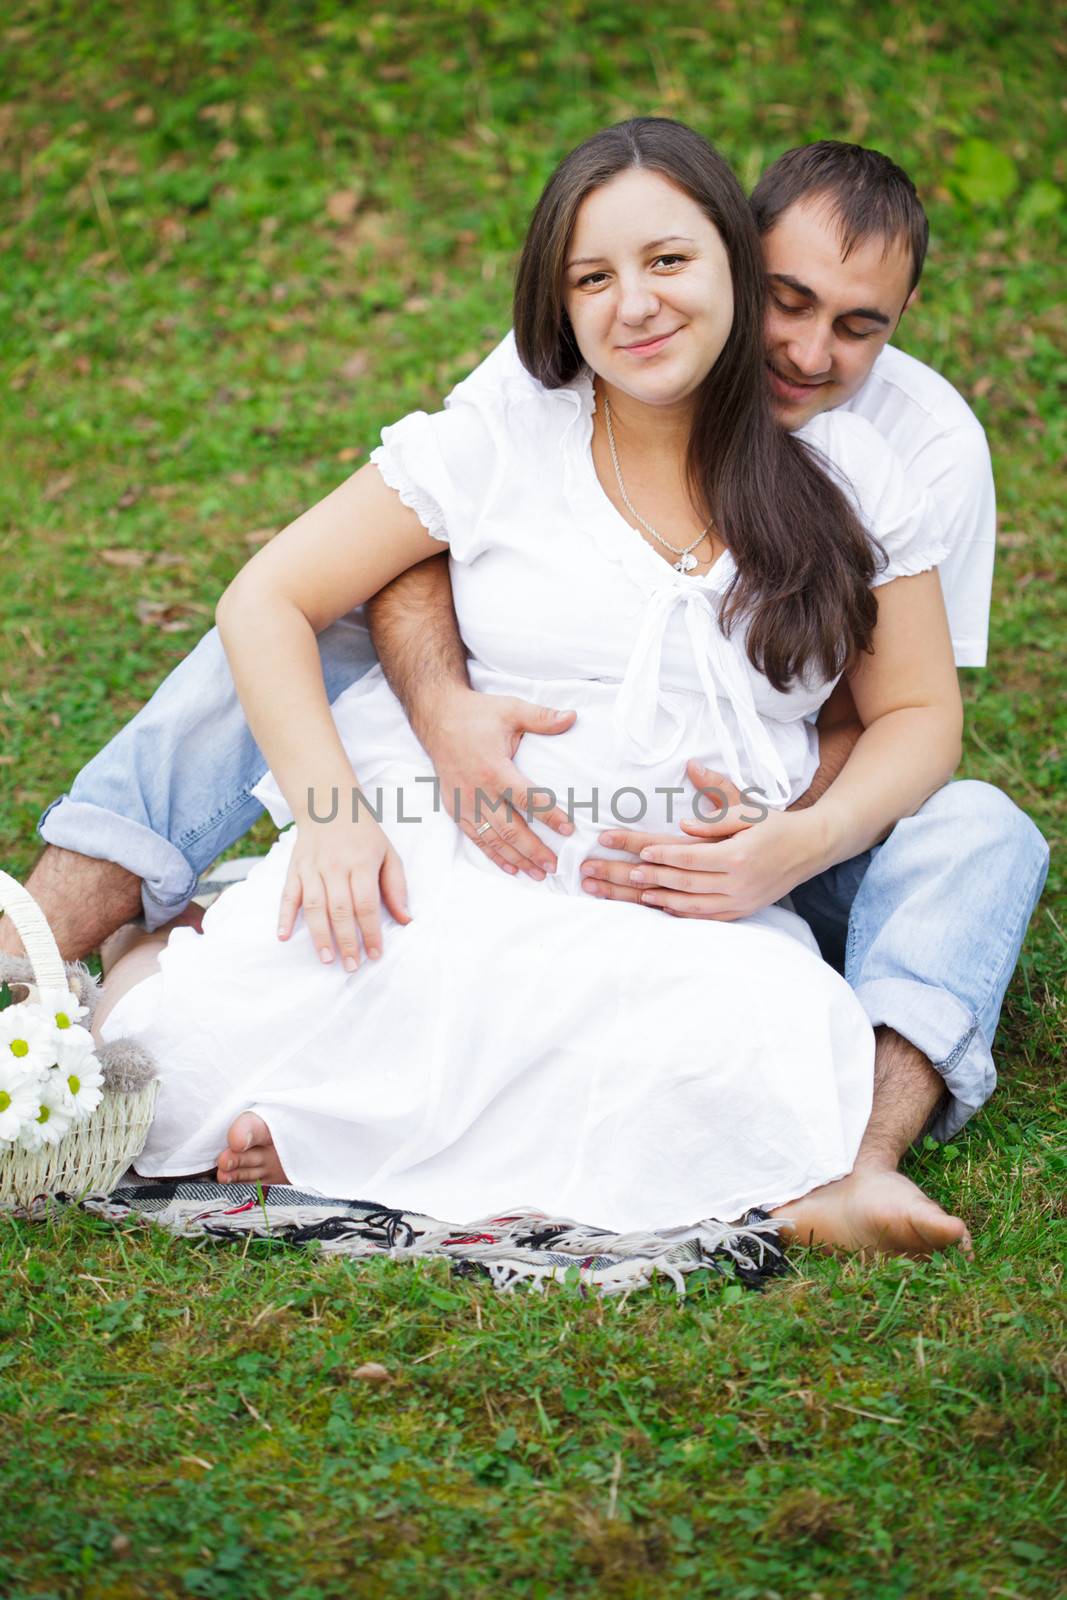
x=632 y=538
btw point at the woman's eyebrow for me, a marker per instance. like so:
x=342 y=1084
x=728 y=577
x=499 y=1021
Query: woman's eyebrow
x=789 y=282
x=653 y=244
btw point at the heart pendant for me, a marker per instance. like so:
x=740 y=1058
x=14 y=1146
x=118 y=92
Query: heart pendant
x=685 y=563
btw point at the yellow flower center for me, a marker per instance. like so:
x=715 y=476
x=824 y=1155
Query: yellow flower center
x=44 y=1114
x=74 y=1083
x=62 y=1020
x=19 y=1047
x=5 y=1099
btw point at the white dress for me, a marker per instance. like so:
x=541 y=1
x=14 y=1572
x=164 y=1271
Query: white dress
x=522 y=1043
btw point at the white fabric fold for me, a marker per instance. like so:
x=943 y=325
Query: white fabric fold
x=641 y=704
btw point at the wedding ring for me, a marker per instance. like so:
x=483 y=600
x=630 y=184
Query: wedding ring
x=485 y=827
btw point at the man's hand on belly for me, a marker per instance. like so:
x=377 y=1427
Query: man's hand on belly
x=724 y=869
x=472 y=744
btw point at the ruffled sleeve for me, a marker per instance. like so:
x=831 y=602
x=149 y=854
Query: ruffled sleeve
x=903 y=519
x=442 y=466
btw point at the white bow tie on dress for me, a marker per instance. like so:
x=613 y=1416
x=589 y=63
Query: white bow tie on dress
x=722 y=675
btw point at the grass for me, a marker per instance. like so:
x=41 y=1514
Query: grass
x=237 y=239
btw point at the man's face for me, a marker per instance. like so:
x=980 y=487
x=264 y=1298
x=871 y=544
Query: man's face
x=827 y=318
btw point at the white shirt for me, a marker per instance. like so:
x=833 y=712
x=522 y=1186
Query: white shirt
x=942 y=448
x=940 y=444
x=561 y=601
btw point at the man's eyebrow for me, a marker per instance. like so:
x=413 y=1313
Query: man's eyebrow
x=653 y=244
x=867 y=312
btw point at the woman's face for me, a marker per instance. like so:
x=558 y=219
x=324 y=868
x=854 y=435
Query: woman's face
x=647 y=288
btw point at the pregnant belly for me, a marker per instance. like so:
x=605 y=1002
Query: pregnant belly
x=591 y=771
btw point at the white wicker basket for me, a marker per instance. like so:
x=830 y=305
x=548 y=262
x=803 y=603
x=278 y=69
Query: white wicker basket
x=94 y=1154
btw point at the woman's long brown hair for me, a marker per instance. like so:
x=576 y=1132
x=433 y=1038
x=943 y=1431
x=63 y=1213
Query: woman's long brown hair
x=804 y=561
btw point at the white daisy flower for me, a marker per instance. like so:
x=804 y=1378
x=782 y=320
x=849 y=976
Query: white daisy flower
x=81 y=1084
x=26 y=1035
x=62 y=1005
x=20 y=1097
x=51 y=1122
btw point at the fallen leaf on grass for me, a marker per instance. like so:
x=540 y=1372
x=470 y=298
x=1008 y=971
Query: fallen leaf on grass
x=144 y=117
x=129 y=497
x=349 y=453
x=32 y=644
x=371 y=1372
x=124 y=557
x=342 y=205
x=171 y=230
x=221 y=115
x=356 y=365
x=57 y=487
x=176 y=616
x=260 y=535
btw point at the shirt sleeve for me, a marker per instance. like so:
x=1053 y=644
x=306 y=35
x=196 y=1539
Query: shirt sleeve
x=958 y=474
x=901 y=518
x=441 y=466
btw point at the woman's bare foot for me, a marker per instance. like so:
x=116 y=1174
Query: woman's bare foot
x=874 y=1211
x=250 y=1156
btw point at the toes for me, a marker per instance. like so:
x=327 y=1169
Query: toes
x=249 y=1169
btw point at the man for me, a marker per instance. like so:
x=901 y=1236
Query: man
x=934 y=916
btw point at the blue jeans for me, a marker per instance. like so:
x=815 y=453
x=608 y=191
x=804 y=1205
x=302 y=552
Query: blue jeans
x=926 y=927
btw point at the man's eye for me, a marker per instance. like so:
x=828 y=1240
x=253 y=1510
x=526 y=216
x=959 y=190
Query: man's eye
x=853 y=334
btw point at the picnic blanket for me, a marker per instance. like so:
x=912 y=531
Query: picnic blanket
x=523 y=1247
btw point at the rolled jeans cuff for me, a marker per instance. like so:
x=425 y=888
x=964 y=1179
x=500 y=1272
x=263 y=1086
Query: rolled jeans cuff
x=167 y=879
x=947 y=1033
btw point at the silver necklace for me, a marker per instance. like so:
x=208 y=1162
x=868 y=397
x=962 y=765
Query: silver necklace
x=686 y=559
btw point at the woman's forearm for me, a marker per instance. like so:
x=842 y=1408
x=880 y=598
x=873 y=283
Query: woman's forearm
x=277 y=671
x=898 y=762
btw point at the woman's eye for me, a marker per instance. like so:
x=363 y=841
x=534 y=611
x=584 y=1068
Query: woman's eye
x=591 y=280
x=783 y=307
x=669 y=260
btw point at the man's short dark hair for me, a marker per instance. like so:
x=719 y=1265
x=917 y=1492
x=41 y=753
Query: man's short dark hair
x=869 y=196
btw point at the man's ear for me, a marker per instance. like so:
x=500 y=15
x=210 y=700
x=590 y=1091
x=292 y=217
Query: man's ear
x=910 y=301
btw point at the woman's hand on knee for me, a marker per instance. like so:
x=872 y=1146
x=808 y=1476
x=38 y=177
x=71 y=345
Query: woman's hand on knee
x=339 y=874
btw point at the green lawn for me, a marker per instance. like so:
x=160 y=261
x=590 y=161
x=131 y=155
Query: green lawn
x=237 y=238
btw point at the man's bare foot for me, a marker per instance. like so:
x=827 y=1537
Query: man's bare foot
x=250 y=1156
x=874 y=1211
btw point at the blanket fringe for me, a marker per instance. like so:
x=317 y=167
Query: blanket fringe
x=523 y=1247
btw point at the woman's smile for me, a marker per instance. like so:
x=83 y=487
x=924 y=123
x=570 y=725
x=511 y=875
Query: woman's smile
x=651 y=346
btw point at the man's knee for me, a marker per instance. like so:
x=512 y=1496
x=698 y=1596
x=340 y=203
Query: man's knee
x=990 y=821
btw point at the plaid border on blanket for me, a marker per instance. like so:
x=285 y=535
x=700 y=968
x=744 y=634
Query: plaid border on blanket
x=523 y=1246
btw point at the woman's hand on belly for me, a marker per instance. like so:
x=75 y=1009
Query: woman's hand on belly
x=727 y=868
x=472 y=744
